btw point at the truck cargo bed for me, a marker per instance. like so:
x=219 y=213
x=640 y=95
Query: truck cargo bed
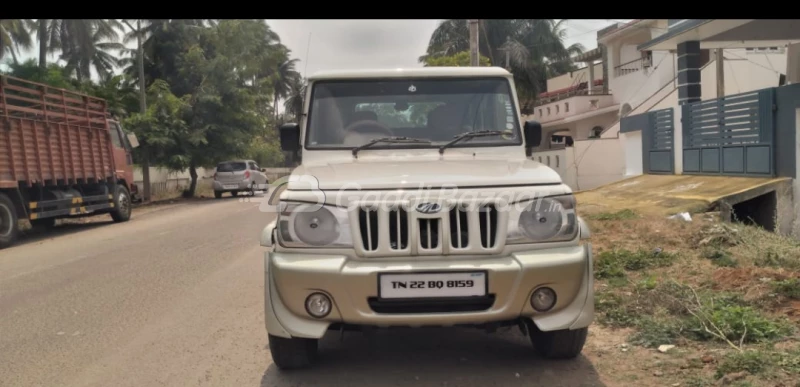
x=52 y=136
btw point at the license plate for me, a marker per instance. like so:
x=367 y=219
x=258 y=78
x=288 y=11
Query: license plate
x=432 y=285
x=230 y=186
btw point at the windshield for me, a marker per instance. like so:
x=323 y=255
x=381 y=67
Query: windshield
x=346 y=114
x=231 y=167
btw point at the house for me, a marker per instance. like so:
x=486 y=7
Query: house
x=641 y=69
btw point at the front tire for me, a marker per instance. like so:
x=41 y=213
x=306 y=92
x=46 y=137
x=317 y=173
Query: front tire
x=561 y=344
x=294 y=353
x=9 y=223
x=122 y=204
x=217 y=194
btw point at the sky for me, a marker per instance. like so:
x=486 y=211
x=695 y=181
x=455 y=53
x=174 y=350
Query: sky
x=361 y=44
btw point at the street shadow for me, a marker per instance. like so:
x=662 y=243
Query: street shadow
x=434 y=357
x=34 y=235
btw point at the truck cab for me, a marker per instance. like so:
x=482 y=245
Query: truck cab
x=416 y=203
x=123 y=144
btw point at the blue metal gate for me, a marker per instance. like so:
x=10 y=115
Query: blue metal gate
x=657 y=129
x=731 y=136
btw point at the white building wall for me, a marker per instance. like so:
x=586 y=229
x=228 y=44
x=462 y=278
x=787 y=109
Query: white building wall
x=598 y=162
x=744 y=72
x=796 y=226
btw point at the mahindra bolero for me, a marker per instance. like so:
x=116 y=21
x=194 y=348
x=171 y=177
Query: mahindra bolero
x=416 y=203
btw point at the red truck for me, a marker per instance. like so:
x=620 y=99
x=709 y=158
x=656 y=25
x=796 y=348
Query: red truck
x=61 y=155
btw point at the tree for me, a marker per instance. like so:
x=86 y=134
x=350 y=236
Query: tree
x=293 y=106
x=13 y=36
x=535 y=46
x=283 y=79
x=85 y=44
x=226 y=89
x=54 y=75
x=460 y=59
x=162 y=126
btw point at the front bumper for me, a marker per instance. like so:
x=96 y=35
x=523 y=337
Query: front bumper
x=291 y=277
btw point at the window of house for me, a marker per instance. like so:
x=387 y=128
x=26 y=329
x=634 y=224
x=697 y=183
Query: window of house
x=557 y=109
x=540 y=112
x=566 y=106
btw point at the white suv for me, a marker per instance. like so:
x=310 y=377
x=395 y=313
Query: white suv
x=417 y=204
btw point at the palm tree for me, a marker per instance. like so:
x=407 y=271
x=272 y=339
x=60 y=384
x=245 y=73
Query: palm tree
x=294 y=98
x=535 y=48
x=84 y=43
x=14 y=36
x=284 y=75
x=47 y=34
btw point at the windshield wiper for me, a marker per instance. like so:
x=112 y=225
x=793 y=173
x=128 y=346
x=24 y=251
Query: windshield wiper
x=396 y=140
x=462 y=136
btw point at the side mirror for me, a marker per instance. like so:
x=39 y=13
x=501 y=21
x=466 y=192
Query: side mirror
x=290 y=137
x=264 y=170
x=533 y=135
x=133 y=140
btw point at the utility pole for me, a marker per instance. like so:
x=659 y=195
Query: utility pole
x=507 y=49
x=720 y=72
x=143 y=109
x=138 y=31
x=474 y=52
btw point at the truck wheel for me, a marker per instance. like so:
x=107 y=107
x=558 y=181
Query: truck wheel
x=9 y=229
x=561 y=344
x=217 y=194
x=293 y=353
x=122 y=204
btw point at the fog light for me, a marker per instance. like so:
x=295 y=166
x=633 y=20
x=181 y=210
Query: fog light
x=318 y=305
x=543 y=299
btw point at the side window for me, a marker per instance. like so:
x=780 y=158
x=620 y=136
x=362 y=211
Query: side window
x=114 y=129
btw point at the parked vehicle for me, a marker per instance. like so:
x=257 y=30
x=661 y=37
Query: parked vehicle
x=416 y=203
x=61 y=155
x=239 y=176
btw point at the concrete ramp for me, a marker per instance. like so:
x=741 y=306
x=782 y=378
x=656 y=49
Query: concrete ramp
x=670 y=194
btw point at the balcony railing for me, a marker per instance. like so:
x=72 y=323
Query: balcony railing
x=597 y=90
x=632 y=66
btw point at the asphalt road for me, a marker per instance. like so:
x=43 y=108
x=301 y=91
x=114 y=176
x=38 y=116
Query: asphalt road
x=175 y=298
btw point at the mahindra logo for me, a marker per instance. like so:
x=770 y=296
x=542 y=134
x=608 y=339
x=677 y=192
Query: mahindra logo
x=428 y=208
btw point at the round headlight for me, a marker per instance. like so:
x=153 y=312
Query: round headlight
x=543 y=220
x=315 y=227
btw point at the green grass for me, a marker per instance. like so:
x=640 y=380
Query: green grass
x=619 y=215
x=614 y=263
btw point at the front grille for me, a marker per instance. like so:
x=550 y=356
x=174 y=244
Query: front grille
x=458 y=229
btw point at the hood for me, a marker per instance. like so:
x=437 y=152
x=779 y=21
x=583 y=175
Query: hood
x=428 y=173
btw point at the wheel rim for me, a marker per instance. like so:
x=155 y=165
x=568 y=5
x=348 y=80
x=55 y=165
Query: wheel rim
x=124 y=203
x=5 y=221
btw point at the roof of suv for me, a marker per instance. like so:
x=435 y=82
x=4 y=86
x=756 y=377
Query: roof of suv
x=422 y=72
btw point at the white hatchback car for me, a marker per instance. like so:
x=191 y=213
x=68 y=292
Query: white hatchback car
x=239 y=176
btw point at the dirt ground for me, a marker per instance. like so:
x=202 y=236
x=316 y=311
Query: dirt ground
x=724 y=298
